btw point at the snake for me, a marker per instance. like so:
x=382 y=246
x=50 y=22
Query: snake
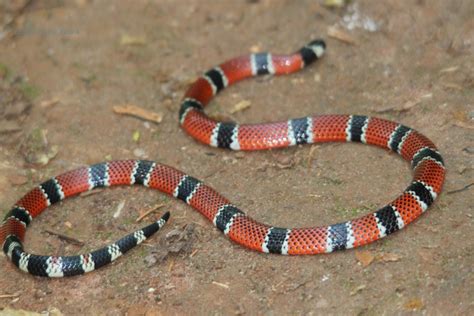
x=425 y=160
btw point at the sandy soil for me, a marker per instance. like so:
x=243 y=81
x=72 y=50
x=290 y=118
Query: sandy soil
x=65 y=64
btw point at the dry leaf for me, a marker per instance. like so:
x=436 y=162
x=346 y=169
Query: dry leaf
x=408 y=105
x=68 y=224
x=452 y=85
x=414 y=304
x=358 y=289
x=49 y=103
x=242 y=105
x=17 y=179
x=136 y=136
x=334 y=3
x=464 y=125
x=132 y=40
x=460 y=115
x=449 y=69
x=256 y=48
x=426 y=255
x=340 y=35
x=365 y=257
x=139 y=112
x=388 y=257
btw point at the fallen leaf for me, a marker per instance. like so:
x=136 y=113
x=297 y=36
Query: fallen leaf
x=340 y=35
x=357 y=289
x=128 y=40
x=317 y=77
x=49 y=103
x=452 y=86
x=176 y=241
x=334 y=3
x=414 y=304
x=449 y=69
x=17 y=179
x=365 y=257
x=388 y=257
x=139 y=112
x=464 y=125
x=136 y=136
x=426 y=255
x=256 y=48
x=242 y=105
x=220 y=117
x=408 y=105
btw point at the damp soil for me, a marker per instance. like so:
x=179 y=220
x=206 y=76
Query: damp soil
x=64 y=65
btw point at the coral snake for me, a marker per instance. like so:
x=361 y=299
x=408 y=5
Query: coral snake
x=425 y=160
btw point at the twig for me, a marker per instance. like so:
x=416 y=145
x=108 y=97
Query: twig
x=311 y=155
x=133 y=110
x=340 y=35
x=461 y=189
x=9 y=295
x=170 y=267
x=225 y=286
x=71 y=240
x=153 y=209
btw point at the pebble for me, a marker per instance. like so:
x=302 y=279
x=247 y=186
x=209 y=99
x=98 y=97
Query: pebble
x=139 y=152
x=322 y=303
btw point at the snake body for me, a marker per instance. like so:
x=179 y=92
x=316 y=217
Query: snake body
x=419 y=151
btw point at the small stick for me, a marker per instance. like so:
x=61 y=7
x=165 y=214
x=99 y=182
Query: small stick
x=71 y=240
x=9 y=295
x=311 y=155
x=154 y=208
x=133 y=110
x=340 y=35
x=225 y=286
x=461 y=189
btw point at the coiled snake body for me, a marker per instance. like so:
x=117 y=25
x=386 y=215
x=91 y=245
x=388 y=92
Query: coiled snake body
x=425 y=160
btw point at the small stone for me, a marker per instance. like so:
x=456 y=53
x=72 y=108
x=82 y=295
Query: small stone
x=139 y=152
x=17 y=179
x=322 y=303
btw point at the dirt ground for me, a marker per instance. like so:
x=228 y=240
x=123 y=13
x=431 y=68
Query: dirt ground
x=65 y=64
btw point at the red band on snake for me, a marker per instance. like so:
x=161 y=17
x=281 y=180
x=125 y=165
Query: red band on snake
x=426 y=162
